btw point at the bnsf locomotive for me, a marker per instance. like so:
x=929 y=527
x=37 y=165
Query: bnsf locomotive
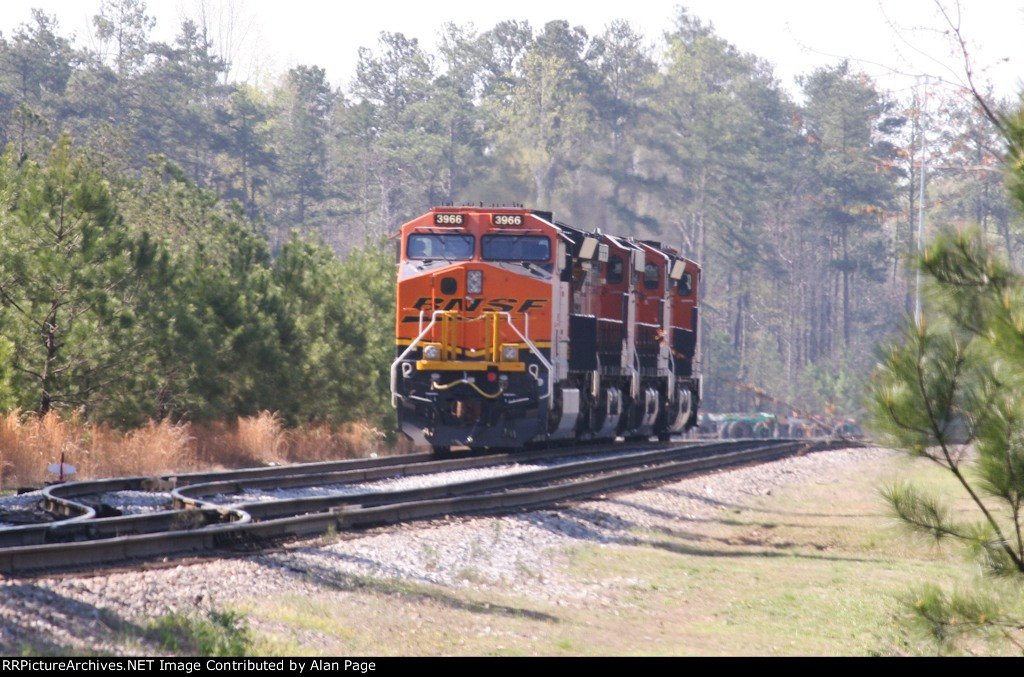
x=513 y=328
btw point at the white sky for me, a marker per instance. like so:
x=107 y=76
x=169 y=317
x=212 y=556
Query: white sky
x=796 y=36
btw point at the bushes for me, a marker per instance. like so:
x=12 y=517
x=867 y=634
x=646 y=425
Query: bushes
x=126 y=302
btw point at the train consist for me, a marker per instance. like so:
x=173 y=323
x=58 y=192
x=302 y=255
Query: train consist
x=513 y=328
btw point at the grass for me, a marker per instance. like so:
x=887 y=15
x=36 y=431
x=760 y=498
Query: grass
x=810 y=570
x=29 y=444
x=215 y=634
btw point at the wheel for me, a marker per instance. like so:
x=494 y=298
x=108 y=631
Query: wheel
x=739 y=430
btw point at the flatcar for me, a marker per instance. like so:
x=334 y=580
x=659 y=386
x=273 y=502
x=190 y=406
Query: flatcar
x=514 y=329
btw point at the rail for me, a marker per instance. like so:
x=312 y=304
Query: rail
x=201 y=531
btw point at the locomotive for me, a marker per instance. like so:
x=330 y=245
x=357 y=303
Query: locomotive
x=513 y=328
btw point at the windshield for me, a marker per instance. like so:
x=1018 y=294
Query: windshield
x=450 y=247
x=515 y=248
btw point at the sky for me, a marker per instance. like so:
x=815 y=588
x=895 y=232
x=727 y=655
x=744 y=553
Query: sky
x=893 y=41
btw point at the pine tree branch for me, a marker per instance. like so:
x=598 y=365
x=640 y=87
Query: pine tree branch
x=28 y=371
x=935 y=529
x=905 y=426
x=9 y=300
x=1008 y=636
x=1015 y=501
x=954 y=467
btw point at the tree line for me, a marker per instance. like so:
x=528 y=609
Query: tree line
x=214 y=211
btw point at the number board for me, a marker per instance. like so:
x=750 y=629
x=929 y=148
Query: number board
x=443 y=219
x=507 y=219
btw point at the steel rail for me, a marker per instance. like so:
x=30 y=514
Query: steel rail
x=202 y=537
x=273 y=509
x=83 y=524
x=191 y=495
x=68 y=499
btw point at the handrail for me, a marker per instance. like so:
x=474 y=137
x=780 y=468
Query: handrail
x=535 y=351
x=444 y=313
x=398 y=360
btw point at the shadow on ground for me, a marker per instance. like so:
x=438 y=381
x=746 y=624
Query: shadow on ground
x=330 y=578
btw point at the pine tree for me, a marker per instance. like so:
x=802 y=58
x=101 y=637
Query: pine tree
x=953 y=393
x=67 y=280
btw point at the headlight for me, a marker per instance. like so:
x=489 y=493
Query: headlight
x=509 y=353
x=475 y=282
x=431 y=352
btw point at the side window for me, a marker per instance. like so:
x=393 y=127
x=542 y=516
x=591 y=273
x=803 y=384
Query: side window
x=686 y=284
x=652 y=276
x=615 y=266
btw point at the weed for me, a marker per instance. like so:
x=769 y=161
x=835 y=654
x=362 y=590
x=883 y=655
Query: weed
x=263 y=438
x=477 y=550
x=219 y=633
x=330 y=535
x=431 y=557
x=526 y=571
x=470 y=574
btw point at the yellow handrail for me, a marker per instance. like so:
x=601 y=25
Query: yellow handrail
x=495 y=337
x=449 y=339
x=446 y=386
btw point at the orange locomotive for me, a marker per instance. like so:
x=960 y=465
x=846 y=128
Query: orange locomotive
x=513 y=328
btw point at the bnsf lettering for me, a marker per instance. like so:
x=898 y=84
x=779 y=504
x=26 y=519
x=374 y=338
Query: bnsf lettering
x=456 y=304
x=501 y=305
x=498 y=305
x=531 y=303
x=425 y=304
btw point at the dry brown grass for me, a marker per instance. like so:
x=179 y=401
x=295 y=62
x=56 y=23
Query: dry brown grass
x=28 y=444
x=159 y=448
x=262 y=440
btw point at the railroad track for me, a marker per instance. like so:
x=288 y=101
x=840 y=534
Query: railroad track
x=202 y=521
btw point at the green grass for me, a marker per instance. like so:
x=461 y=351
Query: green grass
x=216 y=634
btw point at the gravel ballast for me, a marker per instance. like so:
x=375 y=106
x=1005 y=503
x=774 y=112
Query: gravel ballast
x=90 y=613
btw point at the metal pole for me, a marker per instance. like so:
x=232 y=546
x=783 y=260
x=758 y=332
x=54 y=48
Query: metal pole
x=920 y=205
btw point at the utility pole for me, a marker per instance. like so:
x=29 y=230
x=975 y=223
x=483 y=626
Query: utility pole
x=920 y=202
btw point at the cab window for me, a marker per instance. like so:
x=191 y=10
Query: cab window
x=685 y=285
x=427 y=246
x=515 y=248
x=615 y=266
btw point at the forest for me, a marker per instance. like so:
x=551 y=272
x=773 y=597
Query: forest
x=178 y=245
